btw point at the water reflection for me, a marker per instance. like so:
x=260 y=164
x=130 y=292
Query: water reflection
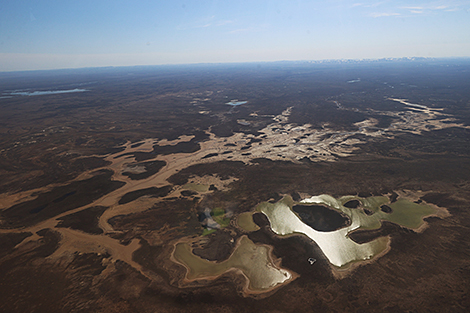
x=339 y=249
x=236 y=102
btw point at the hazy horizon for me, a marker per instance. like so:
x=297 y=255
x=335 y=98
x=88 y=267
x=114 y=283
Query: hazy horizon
x=57 y=35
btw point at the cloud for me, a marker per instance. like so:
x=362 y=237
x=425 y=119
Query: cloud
x=222 y=23
x=384 y=14
x=388 y=8
x=241 y=30
x=449 y=6
x=368 y=5
x=412 y=8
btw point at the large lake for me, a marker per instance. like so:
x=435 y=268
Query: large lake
x=339 y=249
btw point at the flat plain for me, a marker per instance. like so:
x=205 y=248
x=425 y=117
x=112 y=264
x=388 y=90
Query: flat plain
x=104 y=172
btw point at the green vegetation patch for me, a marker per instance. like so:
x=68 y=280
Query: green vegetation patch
x=404 y=212
x=245 y=221
x=196 y=187
x=407 y=213
x=218 y=214
x=208 y=231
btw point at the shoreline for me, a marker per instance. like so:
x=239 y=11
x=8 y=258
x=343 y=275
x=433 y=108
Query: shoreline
x=246 y=290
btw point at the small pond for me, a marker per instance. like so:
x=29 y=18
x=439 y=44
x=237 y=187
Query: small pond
x=236 y=102
x=254 y=261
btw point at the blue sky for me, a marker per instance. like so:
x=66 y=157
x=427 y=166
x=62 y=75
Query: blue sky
x=45 y=34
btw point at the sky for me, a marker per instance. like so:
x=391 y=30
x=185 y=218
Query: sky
x=53 y=34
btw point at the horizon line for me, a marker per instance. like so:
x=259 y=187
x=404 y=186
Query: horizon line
x=343 y=60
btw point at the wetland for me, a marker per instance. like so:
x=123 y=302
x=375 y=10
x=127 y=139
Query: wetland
x=338 y=221
x=150 y=191
x=254 y=261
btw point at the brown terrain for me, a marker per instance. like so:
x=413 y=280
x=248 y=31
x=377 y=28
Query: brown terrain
x=97 y=187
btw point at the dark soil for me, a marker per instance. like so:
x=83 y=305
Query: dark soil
x=59 y=200
x=352 y=204
x=321 y=218
x=151 y=191
x=86 y=220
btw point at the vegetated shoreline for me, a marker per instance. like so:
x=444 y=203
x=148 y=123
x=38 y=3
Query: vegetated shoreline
x=440 y=212
x=347 y=269
x=246 y=291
